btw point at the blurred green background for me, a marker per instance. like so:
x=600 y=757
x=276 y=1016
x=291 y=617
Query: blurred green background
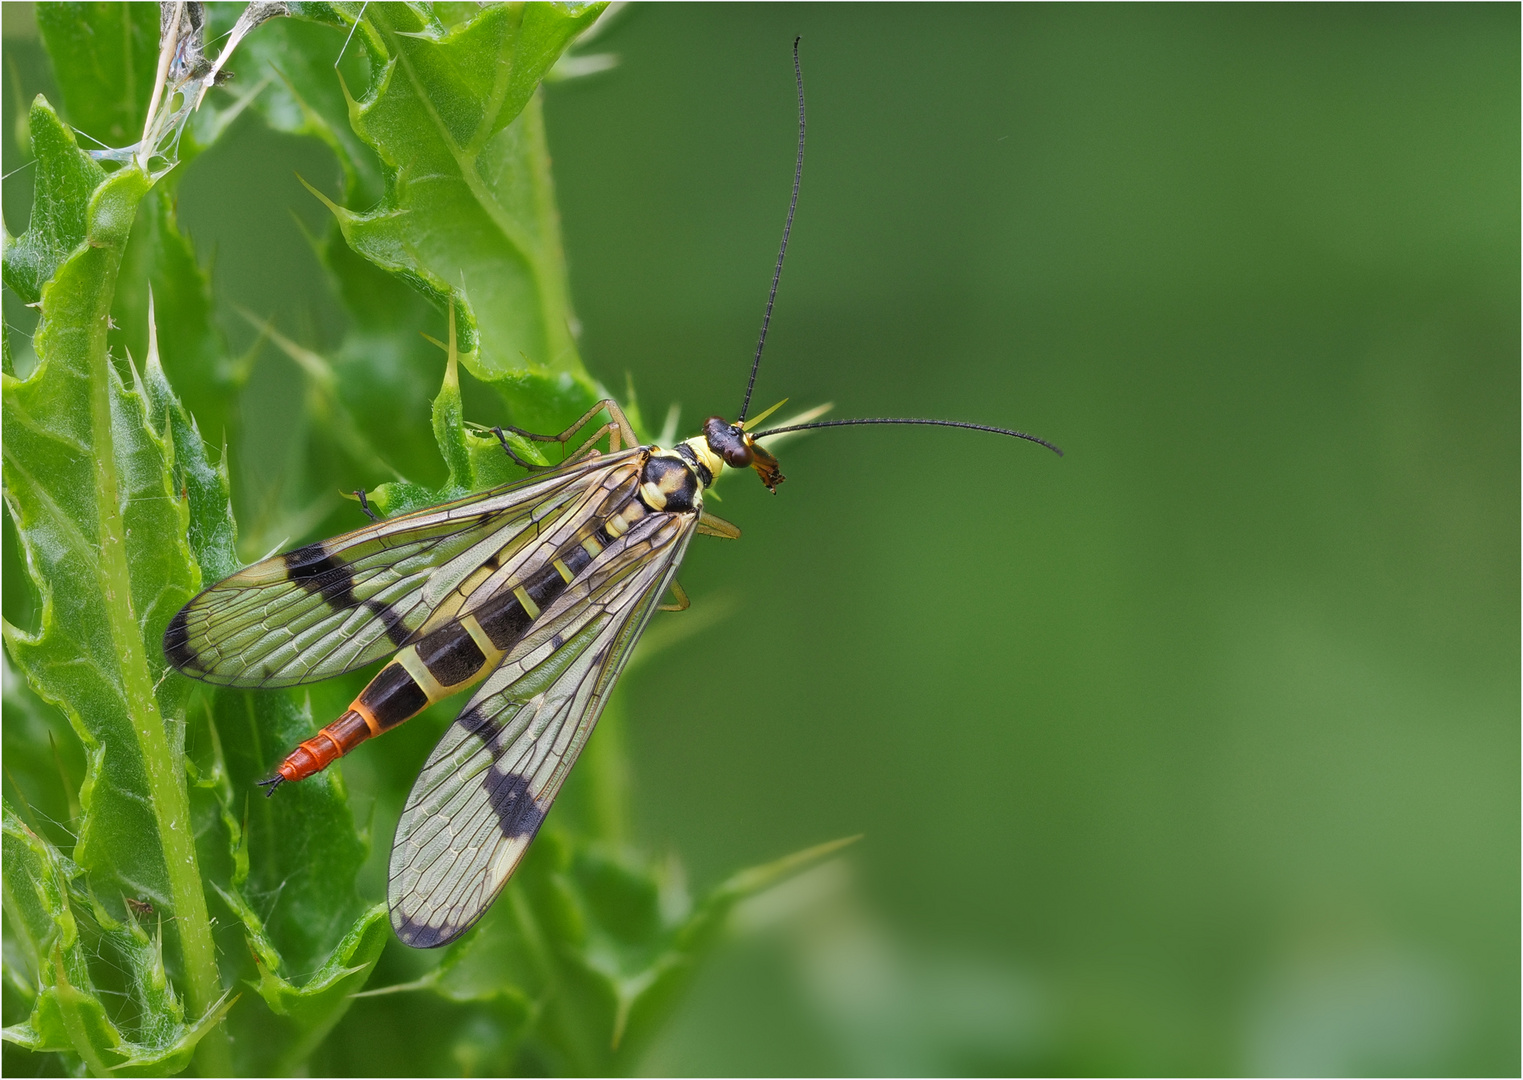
x=1193 y=752
x=1196 y=750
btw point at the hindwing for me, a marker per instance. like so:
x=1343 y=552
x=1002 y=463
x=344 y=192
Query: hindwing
x=488 y=784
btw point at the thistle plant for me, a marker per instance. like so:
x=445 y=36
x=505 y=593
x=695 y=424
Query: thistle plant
x=159 y=915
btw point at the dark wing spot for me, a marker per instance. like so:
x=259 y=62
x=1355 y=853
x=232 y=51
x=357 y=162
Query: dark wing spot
x=419 y=935
x=392 y=620
x=477 y=723
x=316 y=571
x=177 y=642
x=518 y=815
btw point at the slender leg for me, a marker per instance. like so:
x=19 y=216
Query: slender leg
x=679 y=594
x=618 y=428
x=506 y=449
x=588 y=449
x=365 y=505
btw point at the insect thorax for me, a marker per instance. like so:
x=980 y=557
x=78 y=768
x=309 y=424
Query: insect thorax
x=701 y=458
x=673 y=482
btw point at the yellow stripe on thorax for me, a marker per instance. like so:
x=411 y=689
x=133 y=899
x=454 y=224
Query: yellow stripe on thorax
x=654 y=497
x=710 y=460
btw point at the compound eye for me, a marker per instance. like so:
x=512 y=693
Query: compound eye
x=728 y=442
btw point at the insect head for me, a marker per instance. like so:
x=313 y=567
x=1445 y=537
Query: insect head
x=740 y=449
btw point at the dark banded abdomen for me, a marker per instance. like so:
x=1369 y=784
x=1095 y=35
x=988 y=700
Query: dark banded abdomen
x=443 y=662
x=460 y=652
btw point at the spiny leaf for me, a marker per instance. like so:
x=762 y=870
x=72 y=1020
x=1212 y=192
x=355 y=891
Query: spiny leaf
x=298 y=855
x=42 y=895
x=474 y=462
x=298 y=64
x=468 y=212
x=88 y=487
x=60 y=197
x=161 y=264
x=205 y=488
x=603 y=944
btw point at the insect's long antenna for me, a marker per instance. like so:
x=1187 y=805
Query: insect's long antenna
x=896 y=420
x=798 y=175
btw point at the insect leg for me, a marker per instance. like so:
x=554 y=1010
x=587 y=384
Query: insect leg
x=365 y=505
x=619 y=427
x=679 y=594
x=585 y=450
x=589 y=448
x=506 y=449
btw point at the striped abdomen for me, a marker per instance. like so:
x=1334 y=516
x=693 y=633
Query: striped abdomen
x=463 y=650
x=443 y=662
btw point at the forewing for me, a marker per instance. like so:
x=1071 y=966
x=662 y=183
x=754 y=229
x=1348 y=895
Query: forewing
x=487 y=786
x=338 y=605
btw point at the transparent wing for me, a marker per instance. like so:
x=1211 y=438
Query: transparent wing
x=334 y=606
x=487 y=786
